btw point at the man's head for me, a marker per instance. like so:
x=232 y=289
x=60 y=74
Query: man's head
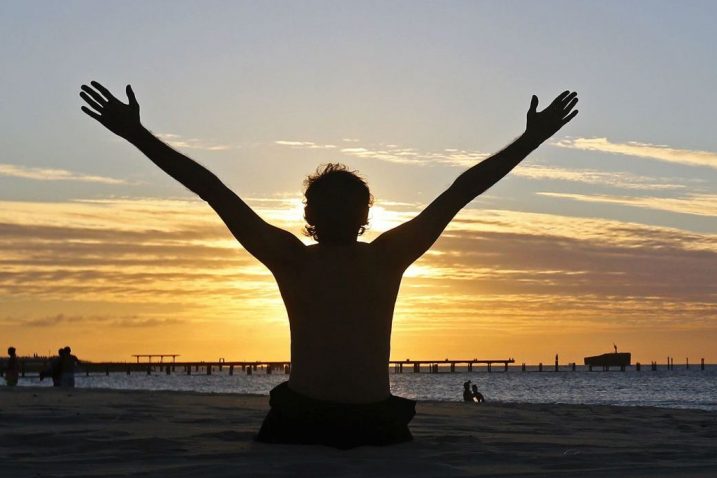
x=337 y=201
x=67 y=349
x=11 y=351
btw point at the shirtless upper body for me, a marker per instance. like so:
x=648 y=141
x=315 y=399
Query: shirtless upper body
x=339 y=296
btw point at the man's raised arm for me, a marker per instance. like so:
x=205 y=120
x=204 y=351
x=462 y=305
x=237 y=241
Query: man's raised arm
x=407 y=242
x=271 y=245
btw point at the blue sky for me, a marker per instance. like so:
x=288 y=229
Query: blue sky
x=408 y=93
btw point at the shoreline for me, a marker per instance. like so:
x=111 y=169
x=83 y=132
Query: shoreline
x=93 y=432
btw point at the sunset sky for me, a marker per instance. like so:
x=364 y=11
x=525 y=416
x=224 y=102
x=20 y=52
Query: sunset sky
x=606 y=234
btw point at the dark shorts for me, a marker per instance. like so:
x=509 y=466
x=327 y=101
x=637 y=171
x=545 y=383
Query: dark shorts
x=295 y=418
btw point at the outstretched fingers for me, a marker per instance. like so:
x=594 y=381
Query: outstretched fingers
x=569 y=117
x=91 y=101
x=103 y=90
x=95 y=96
x=91 y=113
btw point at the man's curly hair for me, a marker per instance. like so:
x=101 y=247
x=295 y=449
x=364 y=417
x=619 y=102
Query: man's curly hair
x=336 y=202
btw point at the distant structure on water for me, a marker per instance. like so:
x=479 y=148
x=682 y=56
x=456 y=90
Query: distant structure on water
x=614 y=359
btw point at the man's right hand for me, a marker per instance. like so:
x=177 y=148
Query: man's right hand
x=122 y=119
x=541 y=125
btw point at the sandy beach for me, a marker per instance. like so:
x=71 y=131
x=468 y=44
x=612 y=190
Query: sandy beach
x=52 y=432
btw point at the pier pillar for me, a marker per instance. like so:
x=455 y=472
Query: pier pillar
x=254 y=367
x=540 y=367
x=702 y=364
x=556 y=362
x=268 y=369
x=107 y=370
x=149 y=370
x=196 y=368
x=248 y=370
x=590 y=368
x=470 y=366
x=400 y=368
x=87 y=371
x=167 y=370
x=128 y=369
x=637 y=366
x=522 y=367
x=416 y=367
x=287 y=369
x=489 y=367
x=622 y=368
x=231 y=370
x=687 y=362
x=505 y=367
x=453 y=367
x=209 y=369
x=189 y=369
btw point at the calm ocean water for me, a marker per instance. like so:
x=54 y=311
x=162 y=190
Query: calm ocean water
x=678 y=388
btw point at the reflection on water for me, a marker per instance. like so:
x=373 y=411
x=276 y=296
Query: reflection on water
x=679 y=388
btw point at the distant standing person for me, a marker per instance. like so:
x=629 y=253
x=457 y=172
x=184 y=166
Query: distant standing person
x=54 y=369
x=12 y=368
x=476 y=395
x=67 y=364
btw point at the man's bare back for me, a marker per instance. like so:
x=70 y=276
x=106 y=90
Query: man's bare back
x=339 y=293
x=340 y=301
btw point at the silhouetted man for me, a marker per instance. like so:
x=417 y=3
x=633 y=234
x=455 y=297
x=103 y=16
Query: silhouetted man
x=339 y=293
x=67 y=367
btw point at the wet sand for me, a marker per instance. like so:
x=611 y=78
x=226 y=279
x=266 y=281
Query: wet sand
x=83 y=432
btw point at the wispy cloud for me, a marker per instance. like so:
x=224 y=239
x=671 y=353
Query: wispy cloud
x=393 y=153
x=178 y=141
x=658 y=152
x=304 y=144
x=621 y=180
x=52 y=174
x=697 y=204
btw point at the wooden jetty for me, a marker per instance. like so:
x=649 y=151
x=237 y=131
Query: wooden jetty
x=35 y=365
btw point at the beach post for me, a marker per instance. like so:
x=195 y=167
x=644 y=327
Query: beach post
x=107 y=370
x=522 y=367
x=556 y=362
x=702 y=364
x=149 y=370
x=209 y=369
x=687 y=362
x=637 y=366
x=189 y=369
x=453 y=367
x=400 y=367
x=505 y=366
x=416 y=367
x=231 y=370
x=573 y=366
x=540 y=367
x=167 y=369
x=248 y=370
x=129 y=369
x=489 y=367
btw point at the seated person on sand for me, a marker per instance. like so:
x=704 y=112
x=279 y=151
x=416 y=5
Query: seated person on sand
x=467 y=395
x=339 y=293
x=476 y=396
